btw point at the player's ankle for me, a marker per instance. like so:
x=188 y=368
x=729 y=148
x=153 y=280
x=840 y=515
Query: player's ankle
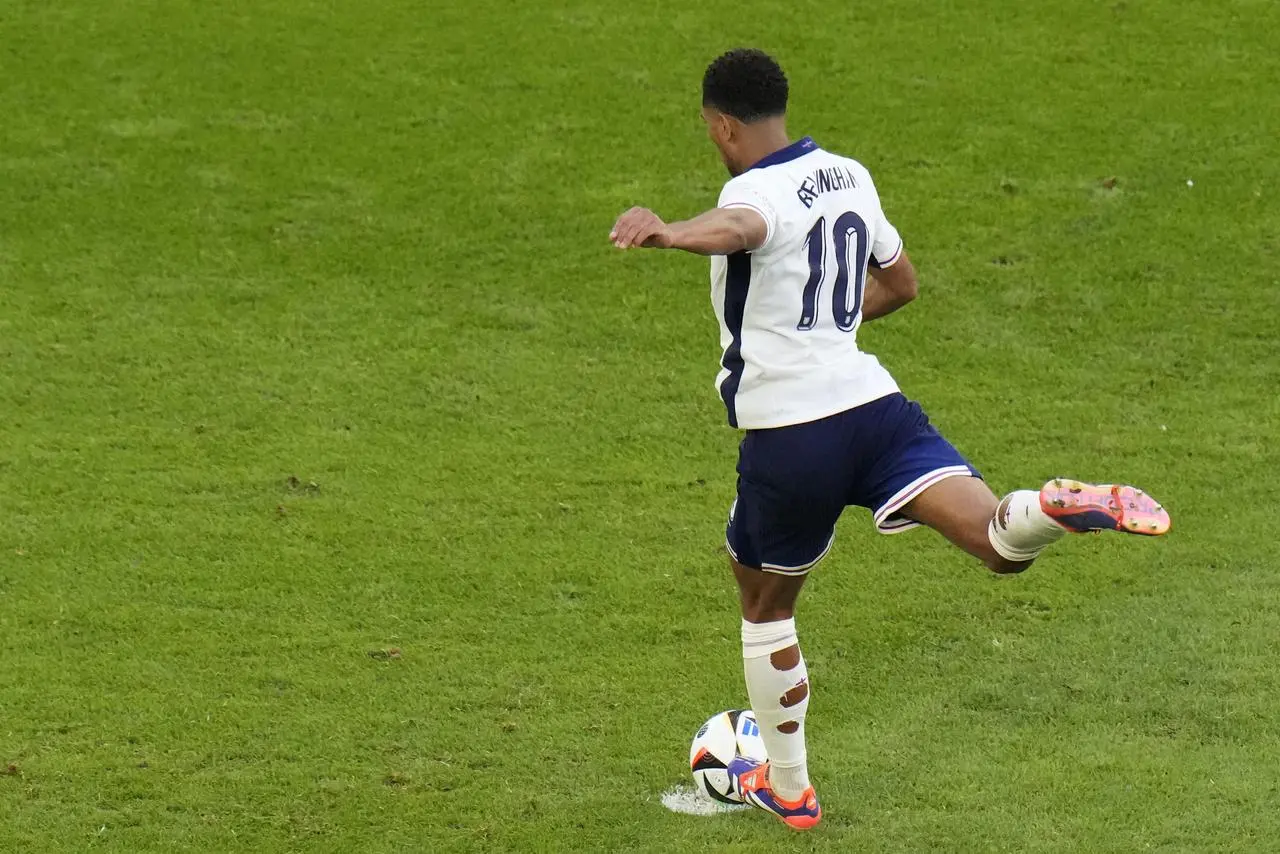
x=1020 y=530
x=789 y=783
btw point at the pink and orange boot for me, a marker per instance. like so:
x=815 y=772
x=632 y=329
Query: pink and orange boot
x=1083 y=507
x=751 y=779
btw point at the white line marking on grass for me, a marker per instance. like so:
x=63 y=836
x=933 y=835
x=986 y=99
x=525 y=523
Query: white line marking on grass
x=687 y=800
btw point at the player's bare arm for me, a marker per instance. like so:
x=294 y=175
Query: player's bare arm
x=889 y=289
x=719 y=231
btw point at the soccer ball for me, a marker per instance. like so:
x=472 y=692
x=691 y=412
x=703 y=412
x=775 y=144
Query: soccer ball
x=714 y=746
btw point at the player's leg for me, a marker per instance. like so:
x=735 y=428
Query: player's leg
x=778 y=687
x=782 y=524
x=918 y=477
x=776 y=676
x=966 y=512
x=773 y=667
x=1008 y=535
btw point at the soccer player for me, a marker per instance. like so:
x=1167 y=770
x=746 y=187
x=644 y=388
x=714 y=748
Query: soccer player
x=795 y=234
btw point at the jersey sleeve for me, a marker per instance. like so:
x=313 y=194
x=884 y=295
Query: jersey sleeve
x=886 y=247
x=743 y=194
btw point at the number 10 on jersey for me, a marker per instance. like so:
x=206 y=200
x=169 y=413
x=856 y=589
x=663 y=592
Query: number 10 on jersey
x=848 y=239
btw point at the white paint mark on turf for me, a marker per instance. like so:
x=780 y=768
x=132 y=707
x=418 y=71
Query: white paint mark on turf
x=689 y=801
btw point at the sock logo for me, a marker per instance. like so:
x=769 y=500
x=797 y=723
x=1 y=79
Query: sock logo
x=1003 y=511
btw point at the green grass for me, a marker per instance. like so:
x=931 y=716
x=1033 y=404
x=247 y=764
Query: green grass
x=250 y=247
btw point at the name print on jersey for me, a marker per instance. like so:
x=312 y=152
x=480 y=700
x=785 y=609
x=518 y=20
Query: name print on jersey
x=824 y=181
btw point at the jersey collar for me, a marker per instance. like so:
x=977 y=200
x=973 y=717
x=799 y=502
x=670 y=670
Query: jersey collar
x=796 y=149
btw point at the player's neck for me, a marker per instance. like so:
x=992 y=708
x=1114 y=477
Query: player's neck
x=763 y=139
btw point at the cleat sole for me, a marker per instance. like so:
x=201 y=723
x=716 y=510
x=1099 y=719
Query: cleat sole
x=1083 y=507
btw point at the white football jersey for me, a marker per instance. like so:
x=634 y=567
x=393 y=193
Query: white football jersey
x=789 y=311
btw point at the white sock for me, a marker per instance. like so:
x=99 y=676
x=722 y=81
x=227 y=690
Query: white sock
x=767 y=686
x=1020 y=529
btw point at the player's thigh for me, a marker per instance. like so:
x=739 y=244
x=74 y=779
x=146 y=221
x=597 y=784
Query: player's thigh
x=909 y=459
x=961 y=509
x=784 y=531
x=789 y=498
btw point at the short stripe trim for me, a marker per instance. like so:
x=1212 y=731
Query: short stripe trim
x=787 y=570
x=801 y=570
x=903 y=496
x=893 y=259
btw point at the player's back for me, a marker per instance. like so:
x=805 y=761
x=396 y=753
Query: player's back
x=789 y=311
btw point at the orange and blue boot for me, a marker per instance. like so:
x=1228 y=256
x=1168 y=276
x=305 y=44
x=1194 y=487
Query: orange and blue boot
x=1084 y=507
x=751 y=779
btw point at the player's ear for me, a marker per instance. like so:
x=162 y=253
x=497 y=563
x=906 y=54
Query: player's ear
x=727 y=128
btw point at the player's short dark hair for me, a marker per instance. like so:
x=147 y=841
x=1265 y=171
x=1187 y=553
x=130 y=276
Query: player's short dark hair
x=747 y=84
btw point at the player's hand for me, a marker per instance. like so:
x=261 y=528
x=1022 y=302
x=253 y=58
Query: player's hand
x=640 y=227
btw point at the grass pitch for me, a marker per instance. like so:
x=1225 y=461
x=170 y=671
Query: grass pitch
x=356 y=496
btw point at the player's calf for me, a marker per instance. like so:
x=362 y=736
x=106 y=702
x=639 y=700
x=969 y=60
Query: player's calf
x=962 y=509
x=778 y=685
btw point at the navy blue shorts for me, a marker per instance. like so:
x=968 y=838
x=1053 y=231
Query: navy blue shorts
x=794 y=482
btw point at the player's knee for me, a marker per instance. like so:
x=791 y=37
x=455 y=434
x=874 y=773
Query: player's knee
x=766 y=598
x=763 y=611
